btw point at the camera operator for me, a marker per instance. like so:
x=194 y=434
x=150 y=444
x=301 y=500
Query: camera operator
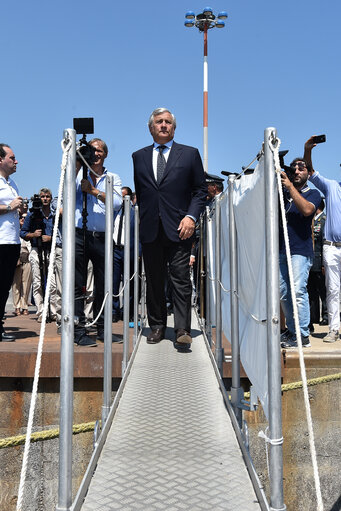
x=94 y=247
x=301 y=203
x=38 y=229
x=11 y=205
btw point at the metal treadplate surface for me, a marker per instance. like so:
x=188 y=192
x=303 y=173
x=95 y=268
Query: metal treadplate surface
x=171 y=445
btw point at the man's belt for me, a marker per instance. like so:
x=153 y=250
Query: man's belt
x=92 y=234
x=332 y=243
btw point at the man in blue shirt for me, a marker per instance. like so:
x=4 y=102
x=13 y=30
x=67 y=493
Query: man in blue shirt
x=38 y=229
x=331 y=189
x=94 y=249
x=301 y=203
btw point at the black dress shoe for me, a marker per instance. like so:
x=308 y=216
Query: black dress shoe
x=7 y=337
x=100 y=337
x=85 y=340
x=324 y=322
x=156 y=336
x=183 y=337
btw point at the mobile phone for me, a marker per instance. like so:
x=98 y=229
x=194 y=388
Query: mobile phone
x=319 y=139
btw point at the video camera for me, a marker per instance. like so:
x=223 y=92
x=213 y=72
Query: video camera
x=84 y=126
x=287 y=169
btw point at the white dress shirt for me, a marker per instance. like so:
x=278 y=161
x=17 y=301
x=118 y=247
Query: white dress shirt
x=9 y=222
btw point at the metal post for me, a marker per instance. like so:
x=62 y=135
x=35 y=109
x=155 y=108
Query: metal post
x=67 y=328
x=236 y=390
x=201 y=270
x=108 y=290
x=136 y=273
x=273 y=326
x=205 y=116
x=208 y=283
x=219 y=352
x=126 y=282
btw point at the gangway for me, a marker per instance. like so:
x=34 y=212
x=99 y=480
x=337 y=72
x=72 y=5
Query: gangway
x=171 y=444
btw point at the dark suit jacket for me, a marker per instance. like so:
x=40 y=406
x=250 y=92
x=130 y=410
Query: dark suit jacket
x=182 y=190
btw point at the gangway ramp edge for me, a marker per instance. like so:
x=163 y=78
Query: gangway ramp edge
x=171 y=444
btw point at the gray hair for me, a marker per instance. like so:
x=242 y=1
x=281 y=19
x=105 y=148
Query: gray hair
x=45 y=190
x=159 y=111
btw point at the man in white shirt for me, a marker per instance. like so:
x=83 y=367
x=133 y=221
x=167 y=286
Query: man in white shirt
x=10 y=206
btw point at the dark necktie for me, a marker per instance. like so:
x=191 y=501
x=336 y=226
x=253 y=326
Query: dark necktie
x=161 y=163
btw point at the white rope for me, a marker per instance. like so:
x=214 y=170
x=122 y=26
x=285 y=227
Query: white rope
x=275 y=148
x=100 y=312
x=272 y=441
x=66 y=146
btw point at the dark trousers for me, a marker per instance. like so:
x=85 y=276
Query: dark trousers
x=95 y=252
x=317 y=291
x=9 y=255
x=156 y=255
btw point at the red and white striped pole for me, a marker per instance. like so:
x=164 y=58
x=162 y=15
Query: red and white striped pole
x=205 y=117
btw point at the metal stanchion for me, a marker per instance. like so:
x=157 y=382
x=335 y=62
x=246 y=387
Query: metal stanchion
x=219 y=352
x=126 y=282
x=273 y=326
x=108 y=290
x=208 y=282
x=236 y=391
x=136 y=273
x=67 y=327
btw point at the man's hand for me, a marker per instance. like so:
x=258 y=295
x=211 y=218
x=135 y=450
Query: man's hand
x=87 y=186
x=286 y=181
x=17 y=203
x=191 y=260
x=308 y=146
x=45 y=238
x=37 y=233
x=186 y=228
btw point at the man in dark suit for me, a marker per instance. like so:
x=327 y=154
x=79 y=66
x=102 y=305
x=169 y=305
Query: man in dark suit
x=171 y=193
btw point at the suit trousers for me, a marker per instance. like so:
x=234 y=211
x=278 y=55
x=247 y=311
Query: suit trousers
x=157 y=255
x=9 y=255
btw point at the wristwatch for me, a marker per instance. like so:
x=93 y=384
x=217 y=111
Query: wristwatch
x=99 y=195
x=8 y=209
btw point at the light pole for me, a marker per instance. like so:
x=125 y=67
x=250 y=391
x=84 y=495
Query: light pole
x=203 y=22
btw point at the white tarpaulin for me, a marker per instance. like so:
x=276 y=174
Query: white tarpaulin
x=249 y=211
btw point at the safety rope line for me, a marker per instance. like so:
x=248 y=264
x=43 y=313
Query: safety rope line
x=92 y=170
x=274 y=146
x=100 y=312
x=66 y=146
x=49 y=434
x=285 y=387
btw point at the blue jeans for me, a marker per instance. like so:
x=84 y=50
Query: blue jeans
x=300 y=266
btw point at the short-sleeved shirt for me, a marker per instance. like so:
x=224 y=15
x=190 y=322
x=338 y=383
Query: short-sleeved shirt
x=299 y=226
x=9 y=222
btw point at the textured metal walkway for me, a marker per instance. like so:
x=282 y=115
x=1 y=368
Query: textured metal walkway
x=171 y=445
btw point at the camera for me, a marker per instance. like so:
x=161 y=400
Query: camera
x=84 y=126
x=287 y=169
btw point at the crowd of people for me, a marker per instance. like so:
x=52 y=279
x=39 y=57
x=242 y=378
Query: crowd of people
x=171 y=191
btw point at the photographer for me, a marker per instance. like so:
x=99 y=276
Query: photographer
x=331 y=189
x=301 y=203
x=91 y=244
x=38 y=228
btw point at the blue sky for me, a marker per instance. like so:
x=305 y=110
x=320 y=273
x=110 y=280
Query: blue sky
x=274 y=64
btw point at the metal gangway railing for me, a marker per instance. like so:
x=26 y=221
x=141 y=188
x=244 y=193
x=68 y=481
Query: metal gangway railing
x=145 y=359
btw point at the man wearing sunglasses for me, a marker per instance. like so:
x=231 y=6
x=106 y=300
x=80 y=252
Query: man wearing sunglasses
x=301 y=203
